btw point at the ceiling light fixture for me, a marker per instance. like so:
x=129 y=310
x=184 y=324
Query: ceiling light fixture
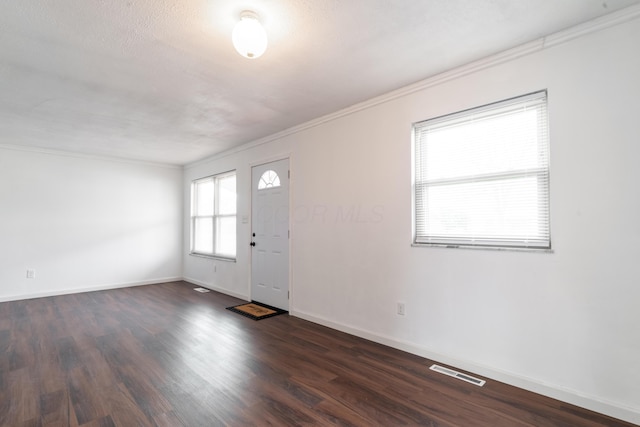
x=249 y=37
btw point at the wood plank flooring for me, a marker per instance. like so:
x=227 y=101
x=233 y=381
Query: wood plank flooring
x=164 y=355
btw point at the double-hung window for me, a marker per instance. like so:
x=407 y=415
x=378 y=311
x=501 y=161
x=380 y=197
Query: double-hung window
x=213 y=216
x=481 y=176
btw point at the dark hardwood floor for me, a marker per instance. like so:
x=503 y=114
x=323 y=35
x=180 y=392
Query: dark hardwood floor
x=168 y=356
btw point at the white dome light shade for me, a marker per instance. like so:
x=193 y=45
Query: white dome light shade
x=249 y=37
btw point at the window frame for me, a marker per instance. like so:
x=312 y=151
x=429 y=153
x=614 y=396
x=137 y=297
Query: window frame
x=542 y=178
x=215 y=216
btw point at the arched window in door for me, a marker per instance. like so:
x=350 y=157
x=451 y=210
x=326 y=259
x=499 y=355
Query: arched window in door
x=269 y=179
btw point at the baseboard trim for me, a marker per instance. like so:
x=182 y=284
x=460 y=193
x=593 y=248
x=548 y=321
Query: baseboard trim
x=88 y=289
x=554 y=391
x=216 y=288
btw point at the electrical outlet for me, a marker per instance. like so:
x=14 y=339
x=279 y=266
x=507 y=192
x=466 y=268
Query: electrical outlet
x=401 y=309
x=31 y=274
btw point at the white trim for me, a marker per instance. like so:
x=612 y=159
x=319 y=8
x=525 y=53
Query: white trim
x=89 y=289
x=537 y=45
x=271 y=159
x=598 y=24
x=123 y=285
x=62 y=153
x=290 y=236
x=390 y=96
x=483 y=248
x=213 y=257
x=216 y=288
x=554 y=391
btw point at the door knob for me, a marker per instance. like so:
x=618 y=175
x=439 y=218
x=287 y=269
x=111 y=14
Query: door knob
x=252 y=244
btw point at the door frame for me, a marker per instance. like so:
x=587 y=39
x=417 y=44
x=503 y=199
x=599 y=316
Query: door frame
x=285 y=156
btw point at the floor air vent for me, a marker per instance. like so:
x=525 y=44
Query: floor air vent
x=458 y=375
x=201 y=290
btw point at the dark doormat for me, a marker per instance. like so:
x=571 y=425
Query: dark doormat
x=256 y=310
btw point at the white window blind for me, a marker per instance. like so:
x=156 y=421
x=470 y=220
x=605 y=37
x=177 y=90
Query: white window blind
x=213 y=216
x=482 y=176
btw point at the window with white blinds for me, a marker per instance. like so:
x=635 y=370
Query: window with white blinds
x=482 y=176
x=213 y=216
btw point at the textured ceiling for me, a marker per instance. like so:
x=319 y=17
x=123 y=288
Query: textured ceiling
x=158 y=80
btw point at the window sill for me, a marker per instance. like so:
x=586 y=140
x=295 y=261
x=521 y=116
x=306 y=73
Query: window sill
x=489 y=248
x=215 y=257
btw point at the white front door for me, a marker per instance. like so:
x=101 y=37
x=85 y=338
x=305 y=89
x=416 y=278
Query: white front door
x=270 y=231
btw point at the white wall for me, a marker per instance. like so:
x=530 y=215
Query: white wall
x=86 y=223
x=562 y=323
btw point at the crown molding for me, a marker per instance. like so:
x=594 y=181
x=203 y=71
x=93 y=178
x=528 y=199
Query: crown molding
x=598 y=24
x=62 y=153
x=540 y=44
